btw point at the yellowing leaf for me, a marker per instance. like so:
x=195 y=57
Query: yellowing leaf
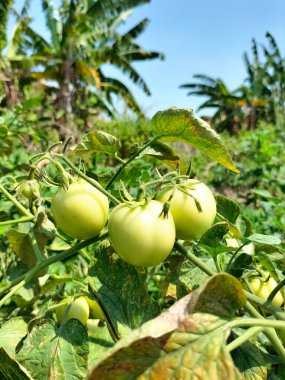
x=184 y=125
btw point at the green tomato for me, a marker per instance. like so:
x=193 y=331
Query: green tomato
x=81 y=211
x=92 y=326
x=140 y=234
x=263 y=289
x=190 y=222
x=30 y=189
x=95 y=309
x=79 y=309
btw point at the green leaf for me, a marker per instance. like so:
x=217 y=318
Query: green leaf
x=11 y=333
x=10 y=369
x=211 y=241
x=246 y=226
x=227 y=208
x=184 y=125
x=24 y=295
x=121 y=290
x=23 y=244
x=267 y=195
x=97 y=141
x=51 y=352
x=160 y=151
x=100 y=341
x=188 y=277
x=264 y=239
x=3 y=130
x=253 y=362
x=268 y=265
x=242 y=262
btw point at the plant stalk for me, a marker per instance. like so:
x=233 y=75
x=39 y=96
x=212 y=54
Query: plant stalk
x=244 y=338
x=126 y=163
x=45 y=263
x=90 y=180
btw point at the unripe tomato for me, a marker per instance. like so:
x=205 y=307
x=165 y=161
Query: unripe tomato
x=95 y=309
x=141 y=234
x=92 y=326
x=81 y=211
x=30 y=189
x=79 y=309
x=263 y=289
x=190 y=222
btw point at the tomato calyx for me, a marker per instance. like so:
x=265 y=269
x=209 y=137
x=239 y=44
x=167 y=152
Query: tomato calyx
x=165 y=210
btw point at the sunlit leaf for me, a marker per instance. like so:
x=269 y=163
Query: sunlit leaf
x=10 y=369
x=97 y=141
x=63 y=351
x=11 y=333
x=227 y=208
x=184 y=125
x=264 y=239
x=161 y=151
x=183 y=342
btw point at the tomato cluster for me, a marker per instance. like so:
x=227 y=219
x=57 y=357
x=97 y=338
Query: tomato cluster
x=142 y=233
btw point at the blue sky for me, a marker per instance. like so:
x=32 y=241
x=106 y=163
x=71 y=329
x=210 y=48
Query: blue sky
x=196 y=36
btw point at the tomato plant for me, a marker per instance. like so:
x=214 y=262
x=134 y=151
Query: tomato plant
x=81 y=211
x=79 y=309
x=141 y=234
x=185 y=284
x=192 y=206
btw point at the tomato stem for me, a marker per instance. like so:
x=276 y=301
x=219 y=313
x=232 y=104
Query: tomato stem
x=14 y=289
x=269 y=332
x=16 y=221
x=88 y=179
x=126 y=163
x=19 y=206
x=278 y=313
x=194 y=259
x=228 y=268
x=244 y=338
x=46 y=262
x=254 y=322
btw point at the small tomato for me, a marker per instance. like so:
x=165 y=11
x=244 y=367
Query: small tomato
x=79 y=309
x=30 y=189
